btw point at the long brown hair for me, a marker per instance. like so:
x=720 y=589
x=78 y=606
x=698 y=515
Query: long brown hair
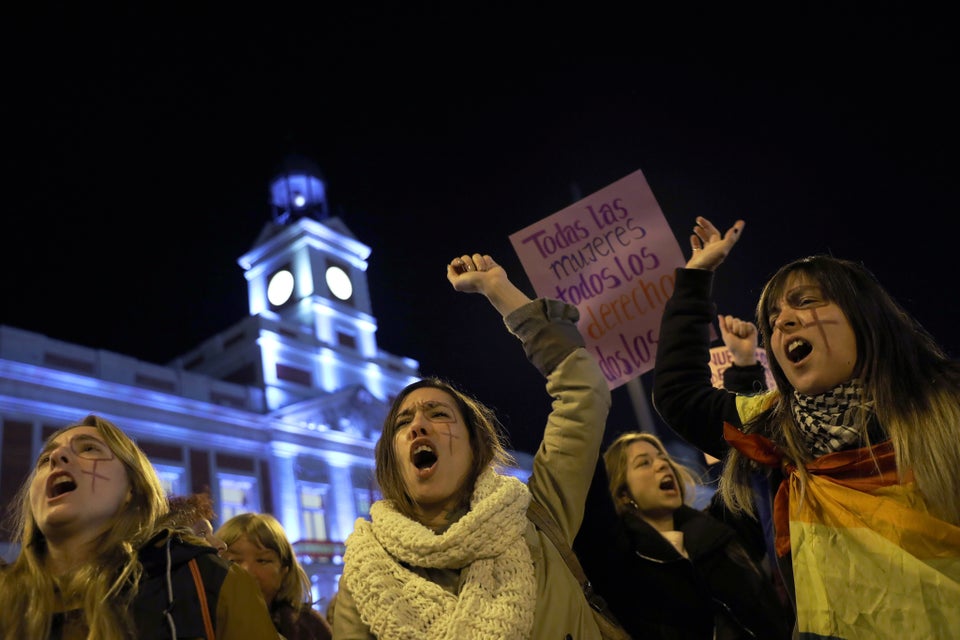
x=486 y=441
x=911 y=384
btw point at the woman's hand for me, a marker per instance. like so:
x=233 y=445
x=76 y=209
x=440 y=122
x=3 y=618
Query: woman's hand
x=474 y=273
x=710 y=249
x=740 y=337
x=479 y=273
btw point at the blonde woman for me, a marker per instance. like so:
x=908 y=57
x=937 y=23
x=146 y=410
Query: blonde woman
x=96 y=562
x=258 y=543
x=682 y=573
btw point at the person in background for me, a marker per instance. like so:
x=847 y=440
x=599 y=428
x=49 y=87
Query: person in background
x=858 y=446
x=196 y=512
x=449 y=551
x=747 y=376
x=612 y=538
x=98 y=562
x=258 y=543
x=683 y=573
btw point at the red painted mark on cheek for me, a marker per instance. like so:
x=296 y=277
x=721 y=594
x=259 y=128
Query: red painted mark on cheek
x=94 y=475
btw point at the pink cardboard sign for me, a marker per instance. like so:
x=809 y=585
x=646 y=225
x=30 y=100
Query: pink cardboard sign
x=613 y=256
x=721 y=359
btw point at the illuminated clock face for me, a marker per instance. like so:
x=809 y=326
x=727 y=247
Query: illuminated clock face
x=339 y=283
x=280 y=287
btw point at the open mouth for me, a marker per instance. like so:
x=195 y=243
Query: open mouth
x=668 y=484
x=798 y=349
x=423 y=457
x=60 y=485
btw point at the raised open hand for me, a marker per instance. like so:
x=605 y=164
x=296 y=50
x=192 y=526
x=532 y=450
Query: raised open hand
x=710 y=249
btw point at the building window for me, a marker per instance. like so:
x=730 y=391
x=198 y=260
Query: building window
x=313 y=510
x=171 y=477
x=346 y=340
x=151 y=382
x=293 y=374
x=238 y=494
x=364 y=498
x=366 y=491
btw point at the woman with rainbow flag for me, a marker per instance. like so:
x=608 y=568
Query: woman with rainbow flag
x=855 y=455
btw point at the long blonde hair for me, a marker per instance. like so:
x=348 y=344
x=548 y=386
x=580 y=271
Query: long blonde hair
x=911 y=384
x=105 y=585
x=615 y=461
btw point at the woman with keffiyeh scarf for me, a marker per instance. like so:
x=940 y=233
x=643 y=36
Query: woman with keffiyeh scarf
x=858 y=444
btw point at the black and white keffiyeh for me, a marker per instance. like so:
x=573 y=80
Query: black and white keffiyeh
x=830 y=421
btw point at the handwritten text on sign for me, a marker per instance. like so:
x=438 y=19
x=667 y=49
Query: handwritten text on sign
x=613 y=256
x=721 y=359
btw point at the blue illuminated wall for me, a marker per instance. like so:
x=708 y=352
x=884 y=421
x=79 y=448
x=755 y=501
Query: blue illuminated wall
x=280 y=412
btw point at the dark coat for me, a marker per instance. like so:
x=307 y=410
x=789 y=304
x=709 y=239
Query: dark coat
x=694 y=409
x=664 y=595
x=656 y=593
x=168 y=604
x=652 y=589
x=151 y=601
x=304 y=624
x=235 y=611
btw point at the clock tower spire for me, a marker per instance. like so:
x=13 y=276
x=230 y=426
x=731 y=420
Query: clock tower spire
x=307 y=284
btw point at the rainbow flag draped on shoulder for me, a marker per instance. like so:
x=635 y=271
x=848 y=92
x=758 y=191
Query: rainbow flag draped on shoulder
x=869 y=560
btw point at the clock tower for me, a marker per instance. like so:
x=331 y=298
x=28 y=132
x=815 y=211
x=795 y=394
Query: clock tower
x=307 y=284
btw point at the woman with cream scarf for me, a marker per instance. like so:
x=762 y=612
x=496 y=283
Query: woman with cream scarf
x=449 y=552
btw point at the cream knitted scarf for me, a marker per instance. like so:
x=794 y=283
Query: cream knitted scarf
x=498 y=588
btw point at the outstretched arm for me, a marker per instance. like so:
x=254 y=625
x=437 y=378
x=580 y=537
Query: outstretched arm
x=564 y=463
x=683 y=394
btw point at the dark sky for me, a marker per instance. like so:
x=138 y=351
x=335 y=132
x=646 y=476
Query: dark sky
x=142 y=146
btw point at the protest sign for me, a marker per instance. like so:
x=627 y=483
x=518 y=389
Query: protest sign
x=721 y=359
x=612 y=255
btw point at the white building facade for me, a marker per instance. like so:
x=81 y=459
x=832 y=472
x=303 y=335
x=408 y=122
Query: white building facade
x=279 y=413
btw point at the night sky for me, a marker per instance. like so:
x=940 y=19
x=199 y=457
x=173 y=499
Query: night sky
x=140 y=148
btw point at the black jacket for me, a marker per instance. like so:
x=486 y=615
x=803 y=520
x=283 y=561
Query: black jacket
x=304 y=623
x=687 y=401
x=152 y=602
x=656 y=593
x=651 y=588
x=664 y=595
x=168 y=603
